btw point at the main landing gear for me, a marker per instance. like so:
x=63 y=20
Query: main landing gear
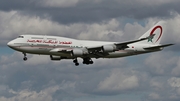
x=76 y=62
x=25 y=57
x=86 y=61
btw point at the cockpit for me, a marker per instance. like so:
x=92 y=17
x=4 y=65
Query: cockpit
x=21 y=36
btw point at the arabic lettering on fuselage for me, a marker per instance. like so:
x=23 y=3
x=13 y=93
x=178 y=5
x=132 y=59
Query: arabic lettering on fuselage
x=61 y=42
x=49 y=41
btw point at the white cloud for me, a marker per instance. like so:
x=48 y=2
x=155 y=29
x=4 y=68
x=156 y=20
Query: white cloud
x=176 y=70
x=174 y=82
x=154 y=96
x=118 y=81
x=37 y=60
x=7 y=61
x=27 y=95
x=98 y=31
x=173 y=30
x=14 y=24
x=160 y=64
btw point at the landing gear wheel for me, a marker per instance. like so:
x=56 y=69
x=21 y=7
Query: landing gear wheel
x=87 y=61
x=25 y=58
x=76 y=64
x=91 y=62
x=84 y=62
x=75 y=61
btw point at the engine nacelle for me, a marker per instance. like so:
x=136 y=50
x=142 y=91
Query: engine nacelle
x=77 y=52
x=55 y=57
x=109 y=48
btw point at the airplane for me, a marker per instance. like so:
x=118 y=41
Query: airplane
x=59 y=48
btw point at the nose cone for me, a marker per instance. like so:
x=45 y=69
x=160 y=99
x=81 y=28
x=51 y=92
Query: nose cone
x=10 y=44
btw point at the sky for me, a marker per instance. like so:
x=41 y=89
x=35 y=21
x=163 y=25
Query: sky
x=149 y=77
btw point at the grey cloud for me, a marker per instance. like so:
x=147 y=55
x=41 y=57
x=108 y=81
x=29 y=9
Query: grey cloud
x=62 y=81
x=88 y=11
x=160 y=63
x=42 y=79
x=14 y=23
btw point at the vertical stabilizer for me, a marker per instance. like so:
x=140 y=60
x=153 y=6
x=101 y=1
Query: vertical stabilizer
x=156 y=33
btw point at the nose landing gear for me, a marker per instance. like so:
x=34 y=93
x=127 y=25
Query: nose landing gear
x=25 y=57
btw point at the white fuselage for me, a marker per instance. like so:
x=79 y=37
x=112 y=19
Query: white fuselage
x=39 y=44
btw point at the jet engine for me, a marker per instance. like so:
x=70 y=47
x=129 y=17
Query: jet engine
x=55 y=57
x=109 y=48
x=77 y=52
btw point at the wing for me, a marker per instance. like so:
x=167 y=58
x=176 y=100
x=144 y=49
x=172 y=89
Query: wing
x=101 y=51
x=98 y=51
x=124 y=44
x=121 y=45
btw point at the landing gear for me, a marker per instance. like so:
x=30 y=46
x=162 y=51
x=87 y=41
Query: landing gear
x=25 y=57
x=76 y=62
x=87 y=61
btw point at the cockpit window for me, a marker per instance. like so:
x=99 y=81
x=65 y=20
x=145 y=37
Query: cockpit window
x=21 y=37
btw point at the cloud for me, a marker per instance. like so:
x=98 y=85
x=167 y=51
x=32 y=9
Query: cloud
x=176 y=70
x=174 y=82
x=118 y=81
x=156 y=74
x=90 y=11
x=37 y=59
x=26 y=95
x=161 y=63
x=13 y=24
x=59 y=3
x=154 y=96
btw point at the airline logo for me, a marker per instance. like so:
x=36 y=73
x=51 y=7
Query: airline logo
x=157 y=29
x=49 y=41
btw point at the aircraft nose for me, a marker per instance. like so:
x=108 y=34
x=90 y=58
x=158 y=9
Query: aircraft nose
x=10 y=44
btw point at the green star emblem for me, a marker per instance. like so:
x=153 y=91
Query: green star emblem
x=151 y=37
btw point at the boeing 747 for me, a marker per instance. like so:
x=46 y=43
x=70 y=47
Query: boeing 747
x=59 y=48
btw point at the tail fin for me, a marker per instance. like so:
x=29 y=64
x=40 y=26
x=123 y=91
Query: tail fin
x=156 y=32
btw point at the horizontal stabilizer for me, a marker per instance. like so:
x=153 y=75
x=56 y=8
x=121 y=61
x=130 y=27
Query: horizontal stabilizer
x=157 y=47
